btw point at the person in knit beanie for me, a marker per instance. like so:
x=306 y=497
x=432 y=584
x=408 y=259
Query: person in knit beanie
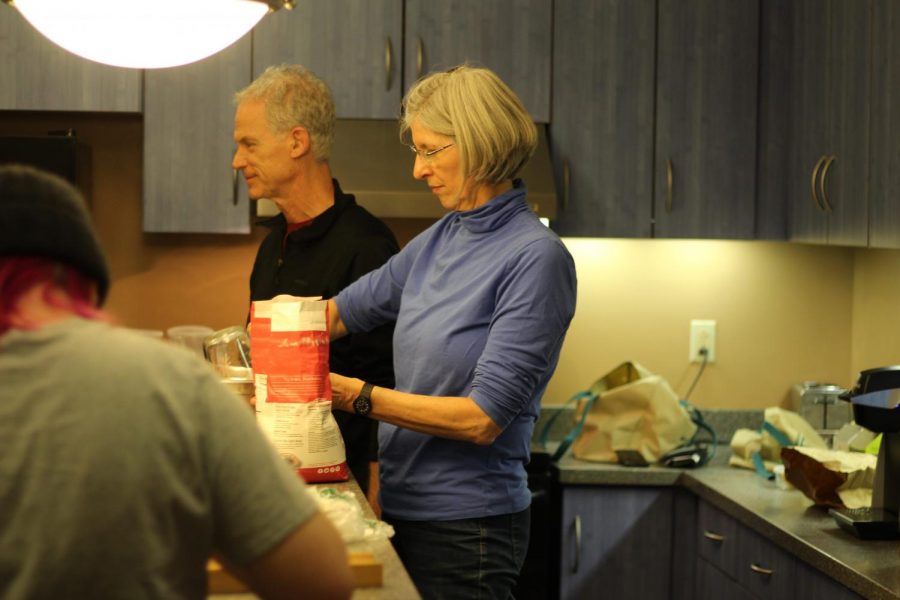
x=46 y=237
x=125 y=461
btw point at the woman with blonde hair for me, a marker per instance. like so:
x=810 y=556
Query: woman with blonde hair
x=482 y=300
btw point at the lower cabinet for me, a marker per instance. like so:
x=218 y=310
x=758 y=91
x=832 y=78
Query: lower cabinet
x=616 y=542
x=737 y=560
x=665 y=542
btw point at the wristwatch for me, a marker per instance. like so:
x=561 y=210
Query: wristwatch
x=362 y=405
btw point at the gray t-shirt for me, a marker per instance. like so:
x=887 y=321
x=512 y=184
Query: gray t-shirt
x=124 y=463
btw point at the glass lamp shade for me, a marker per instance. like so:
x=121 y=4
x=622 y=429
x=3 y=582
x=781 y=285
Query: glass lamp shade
x=143 y=34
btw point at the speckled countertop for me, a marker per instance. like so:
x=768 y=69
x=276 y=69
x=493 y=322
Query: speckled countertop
x=788 y=518
x=397 y=583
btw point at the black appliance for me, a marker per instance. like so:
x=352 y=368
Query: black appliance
x=876 y=406
x=59 y=152
x=539 y=579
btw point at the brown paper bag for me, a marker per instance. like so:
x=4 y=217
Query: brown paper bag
x=632 y=409
x=831 y=477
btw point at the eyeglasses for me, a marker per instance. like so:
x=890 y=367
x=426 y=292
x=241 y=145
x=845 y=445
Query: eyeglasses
x=428 y=155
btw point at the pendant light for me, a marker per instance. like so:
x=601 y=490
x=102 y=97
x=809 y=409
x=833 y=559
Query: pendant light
x=145 y=34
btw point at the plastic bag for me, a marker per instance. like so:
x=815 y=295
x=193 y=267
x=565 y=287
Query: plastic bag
x=345 y=513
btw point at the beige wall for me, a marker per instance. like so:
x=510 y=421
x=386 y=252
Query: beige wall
x=784 y=312
x=876 y=310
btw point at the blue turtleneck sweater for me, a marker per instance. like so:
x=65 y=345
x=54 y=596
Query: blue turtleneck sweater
x=482 y=301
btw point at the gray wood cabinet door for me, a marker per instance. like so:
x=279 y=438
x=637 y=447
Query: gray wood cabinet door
x=829 y=108
x=884 y=164
x=706 y=119
x=354 y=45
x=616 y=542
x=189 y=185
x=601 y=134
x=36 y=74
x=510 y=37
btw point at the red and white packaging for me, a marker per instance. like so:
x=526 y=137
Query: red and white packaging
x=289 y=349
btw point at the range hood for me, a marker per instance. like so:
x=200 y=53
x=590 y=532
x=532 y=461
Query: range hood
x=370 y=162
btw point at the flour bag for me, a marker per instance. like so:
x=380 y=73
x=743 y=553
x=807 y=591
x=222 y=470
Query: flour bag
x=289 y=348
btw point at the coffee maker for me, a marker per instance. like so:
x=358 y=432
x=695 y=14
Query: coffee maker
x=875 y=400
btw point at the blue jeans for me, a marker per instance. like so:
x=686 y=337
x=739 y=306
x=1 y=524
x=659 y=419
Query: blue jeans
x=466 y=559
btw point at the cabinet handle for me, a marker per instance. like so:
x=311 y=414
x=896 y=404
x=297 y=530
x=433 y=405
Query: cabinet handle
x=420 y=56
x=715 y=537
x=822 y=176
x=388 y=63
x=761 y=570
x=567 y=178
x=577 y=525
x=669 y=179
x=234 y=187
x=812 y=182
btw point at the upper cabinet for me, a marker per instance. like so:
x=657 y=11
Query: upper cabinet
x=655 y=134
x=189 y=185
x=884 y=163
x=355 y=45
x=706 y=118
x=510 y=37
x=36 y=74
x=828 y=156
x=601 y=134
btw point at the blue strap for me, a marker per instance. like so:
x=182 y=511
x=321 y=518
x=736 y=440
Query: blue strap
x=545 y=432
x=782 y=439
x=576 y=430
x=760 y=466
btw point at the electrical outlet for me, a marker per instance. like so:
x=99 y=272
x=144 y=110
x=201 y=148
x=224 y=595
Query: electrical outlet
x=703 y=335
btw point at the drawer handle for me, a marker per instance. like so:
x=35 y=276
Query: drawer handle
x=713 y=536
x=577 y=526
x=761 y=570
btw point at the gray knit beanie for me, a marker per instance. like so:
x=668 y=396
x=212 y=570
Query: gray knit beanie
x=43 y=215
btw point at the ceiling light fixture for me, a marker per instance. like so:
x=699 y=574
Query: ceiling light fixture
x=146 y=34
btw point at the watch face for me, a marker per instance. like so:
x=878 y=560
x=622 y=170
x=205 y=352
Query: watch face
x=362 y=406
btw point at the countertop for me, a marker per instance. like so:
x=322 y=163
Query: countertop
x=397 y=583
x=788 y=518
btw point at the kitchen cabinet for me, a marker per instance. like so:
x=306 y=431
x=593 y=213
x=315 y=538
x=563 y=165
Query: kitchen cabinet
x=39 y=75
x=189 y=185
x=829 y=121
x=656 y=135
x=616 y=542
x=706 y=107
x=510 y=37
x=355 y=45
x=601 y=134
x=737 y=561
x=370 y=52
x=884 y=164
x=713 y=584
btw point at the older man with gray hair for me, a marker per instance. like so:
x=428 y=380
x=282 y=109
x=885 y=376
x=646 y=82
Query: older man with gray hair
x=322 y=241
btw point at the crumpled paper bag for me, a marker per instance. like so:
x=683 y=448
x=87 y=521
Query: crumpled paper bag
x=747 y=442
x=831 y=477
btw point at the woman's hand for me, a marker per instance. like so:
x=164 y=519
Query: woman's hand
x=344 y=391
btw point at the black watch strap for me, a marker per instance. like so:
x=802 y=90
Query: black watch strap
x=362 y=405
